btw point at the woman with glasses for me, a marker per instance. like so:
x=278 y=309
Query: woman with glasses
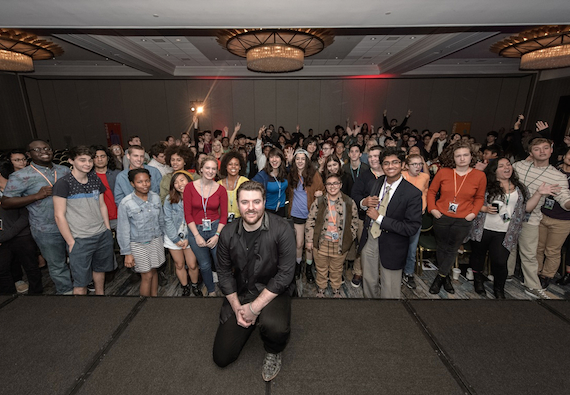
x=461 y=190
x=330 y=231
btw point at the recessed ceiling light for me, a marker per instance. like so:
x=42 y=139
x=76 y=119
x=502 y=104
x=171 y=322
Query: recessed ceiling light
x=167 y=55
x=336 y=57
x=215 y=58
x=178 y=40
x=413 y=37
x=388 y=53
x=372 y=38
x=106 y=58
x=142 y=39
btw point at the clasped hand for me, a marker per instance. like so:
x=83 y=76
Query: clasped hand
x=245 y=318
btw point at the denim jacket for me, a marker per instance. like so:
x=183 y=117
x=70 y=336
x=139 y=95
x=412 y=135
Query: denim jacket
x=174 y=219
x=139 y=221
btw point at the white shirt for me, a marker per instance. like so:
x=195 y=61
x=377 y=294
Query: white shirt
x=393 y=188
x=163 y=169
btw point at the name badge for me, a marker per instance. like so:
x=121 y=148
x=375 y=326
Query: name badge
x=452 y=207
x=334 y=236
x=206 y=224
x=549 y=203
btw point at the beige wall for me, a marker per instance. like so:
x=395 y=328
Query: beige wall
x=70 y=112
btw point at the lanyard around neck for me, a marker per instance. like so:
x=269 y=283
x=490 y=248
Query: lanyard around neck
x=456 y=191
x=41 y=174
x=205 y=202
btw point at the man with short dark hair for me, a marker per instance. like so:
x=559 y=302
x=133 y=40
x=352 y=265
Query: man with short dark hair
x=82 y=218
x=388 y=226
x=158 y=160
x=256 y=267
x=31 y=187
x=134 y=141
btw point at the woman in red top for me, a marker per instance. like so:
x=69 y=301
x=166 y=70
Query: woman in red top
x=462 y=193
x=206 y=213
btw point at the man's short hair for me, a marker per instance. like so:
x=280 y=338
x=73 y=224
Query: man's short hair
x=131 y=138
x=376 y=147
x=355 y=145
x=538 y=141
x=494 y=149
x=251 y=186
x=157 y=149
x=134 y=147
x=36 y=140
x=493 y=133
x=392 y=151
x=79 y=150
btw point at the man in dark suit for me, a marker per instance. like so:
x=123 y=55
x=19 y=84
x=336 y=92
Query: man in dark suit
x=388 y=226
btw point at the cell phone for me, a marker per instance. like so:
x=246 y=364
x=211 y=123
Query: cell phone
x=495 y=205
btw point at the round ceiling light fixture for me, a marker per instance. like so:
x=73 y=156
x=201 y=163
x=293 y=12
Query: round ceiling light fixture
x=18 y=49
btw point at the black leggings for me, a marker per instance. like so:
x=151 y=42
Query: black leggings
x=449 y=236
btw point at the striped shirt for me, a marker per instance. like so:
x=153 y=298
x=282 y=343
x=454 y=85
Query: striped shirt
x=533 y=177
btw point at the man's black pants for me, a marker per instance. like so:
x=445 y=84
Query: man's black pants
x=274 y=324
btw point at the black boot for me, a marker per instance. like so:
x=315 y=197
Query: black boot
x=186 y=290
x=309 y=274
x=436 y=285
x=499 y=293
x=565 y=280
x=197 y=291
x=479 y=283
x=298 y=270
x=447 y=285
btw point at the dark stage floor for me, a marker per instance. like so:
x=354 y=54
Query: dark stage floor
x=131 y=345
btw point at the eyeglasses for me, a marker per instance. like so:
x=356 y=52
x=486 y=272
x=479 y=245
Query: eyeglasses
x=38 y=150
x=333 y=184
x=393 y=163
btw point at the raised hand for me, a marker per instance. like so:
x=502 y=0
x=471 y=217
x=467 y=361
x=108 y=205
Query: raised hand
x=541 y=125
x=237 y=127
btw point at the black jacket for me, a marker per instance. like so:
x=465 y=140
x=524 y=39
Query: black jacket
x=402 y=220
x=275 y=262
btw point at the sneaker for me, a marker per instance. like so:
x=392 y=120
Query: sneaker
x=337 y=294
x=342 y=279
x=536 y=293
x=271 y=366
x=356 y=280
x=321 y=293
x=21 y=286
x=544 y=282
x=212 y=294
x=215 y=276
x=510 y=278
x=469 y=274
x=186 y=290
x=409 y=281
x=91 y=287
x=309 y=274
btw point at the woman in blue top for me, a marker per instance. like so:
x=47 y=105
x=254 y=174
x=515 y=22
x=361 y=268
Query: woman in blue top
x=176 y=238
x=274 y=179
x=140 y=227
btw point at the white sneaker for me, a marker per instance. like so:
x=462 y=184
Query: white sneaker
x=215 y=276
x=469 y=274
x=21 y=286
x=536 y=293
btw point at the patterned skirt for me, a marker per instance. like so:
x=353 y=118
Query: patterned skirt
x=148 y=255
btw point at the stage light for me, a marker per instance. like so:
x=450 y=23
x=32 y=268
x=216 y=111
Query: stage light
x=200 y=110
x=192 y=109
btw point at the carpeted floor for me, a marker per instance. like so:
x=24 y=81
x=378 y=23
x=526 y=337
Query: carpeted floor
x=505 y=347
x=128 y=345
x=561 y=306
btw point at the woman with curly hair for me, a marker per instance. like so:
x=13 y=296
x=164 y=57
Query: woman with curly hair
x=305 y=185
x=461 y=191
x=231 y=169
x=274 y=179
x=180 y=158
x=498 y=225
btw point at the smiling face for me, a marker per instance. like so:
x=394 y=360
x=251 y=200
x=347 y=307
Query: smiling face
x=333 y=185
x=392 y=167
x=180 y=182
x=209 y=169
x=136 y=158
x=217 y=146
x=141 y=183
x=82 y=163
x=300 y=161
x=504 y=169
x=312 y=147
x=233 y=167
x=41 y=153
x=333 y=166
x=374 y=159
x=18 y=161
x=251 y=207
x=177 y=162
x=275 y=161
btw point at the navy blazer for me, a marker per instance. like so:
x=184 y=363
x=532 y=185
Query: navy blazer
x=402 y=220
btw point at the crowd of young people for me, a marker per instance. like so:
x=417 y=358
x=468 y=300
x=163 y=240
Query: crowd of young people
x=355 y=198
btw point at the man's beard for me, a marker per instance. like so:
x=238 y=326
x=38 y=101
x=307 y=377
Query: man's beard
x=258 y=216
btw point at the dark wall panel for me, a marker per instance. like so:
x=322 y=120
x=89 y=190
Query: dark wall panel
x=265 y=92
x=36 y=110
x=286 y=101
x=485 y=107
x=70 y=117
x=309 y=100
x=177 y=103
x=243 y=103
x=441 y=103
x=155 y=112
x=353 y=102
x=55 y=132
x=420 y=103
x=374 y=103
x=15 y=130
x=220 y=107
x=135 y=116
x=89 y=103
x=330 y=106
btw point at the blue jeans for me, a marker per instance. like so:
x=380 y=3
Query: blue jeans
x=204 y=255
x=411 y=260
x=53 y=249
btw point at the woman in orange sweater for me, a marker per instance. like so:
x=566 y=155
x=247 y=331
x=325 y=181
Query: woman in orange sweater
x=462 y=193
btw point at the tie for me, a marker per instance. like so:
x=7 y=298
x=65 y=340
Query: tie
x=375 y=230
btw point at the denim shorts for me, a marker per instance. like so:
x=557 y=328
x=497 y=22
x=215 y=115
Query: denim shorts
x=91 y=254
